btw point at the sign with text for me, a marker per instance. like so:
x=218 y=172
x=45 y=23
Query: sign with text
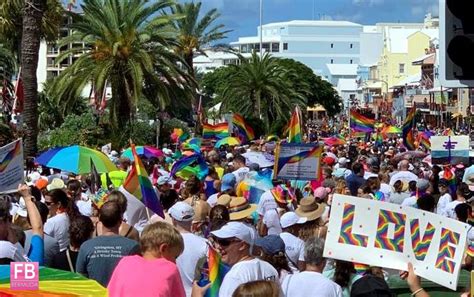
x=450 y=149
x=389 y=235
x=24 y=276
x=297 y=161
x=11 y=166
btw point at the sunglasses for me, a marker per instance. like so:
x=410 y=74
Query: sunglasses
x=225 y=242
x=48 y=203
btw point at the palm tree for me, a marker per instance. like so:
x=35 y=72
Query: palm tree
x=127 y=47
x=261 y=88
x=194 y=32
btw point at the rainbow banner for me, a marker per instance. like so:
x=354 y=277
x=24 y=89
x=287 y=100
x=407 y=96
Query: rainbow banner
x=188 y=166
x=217 y=131
x=139 y=185
x=11 y=166
x=368 y=231
x=298 y=161
x=361 y=123
x=294 y=127
x=243 y=131
x=391 y=130
x=407 y=130
x=217 y=271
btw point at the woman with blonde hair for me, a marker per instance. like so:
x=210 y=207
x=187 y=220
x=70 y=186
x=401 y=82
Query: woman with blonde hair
x=257 y=289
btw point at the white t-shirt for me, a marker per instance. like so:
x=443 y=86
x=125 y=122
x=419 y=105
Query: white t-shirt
x=449 y=209
x=405 y=176
x=410 y=201
x=310 y=283
x=195 y=248
x=267 y=202
x=442 y=203
x=294 y=249
x=240 y=174
x=244 y=272
x=386 y=189
x=271 y=219
x=58 y=227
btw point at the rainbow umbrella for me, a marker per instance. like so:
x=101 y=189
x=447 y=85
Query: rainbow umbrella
x=76 y=159
x=331 y=141
x=53 y=283
x=228 y=141
x=145 y=151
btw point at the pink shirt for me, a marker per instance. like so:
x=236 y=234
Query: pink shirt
x=135 y=276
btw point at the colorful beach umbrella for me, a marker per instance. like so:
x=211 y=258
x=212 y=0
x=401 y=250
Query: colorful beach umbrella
x=228 y=141
x=76 y=159
x=53 y=283
x=144 y=151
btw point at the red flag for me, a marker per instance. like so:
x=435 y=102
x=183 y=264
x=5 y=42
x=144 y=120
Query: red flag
x=19 y=95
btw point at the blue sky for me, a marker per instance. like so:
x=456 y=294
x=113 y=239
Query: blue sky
x=242 y=16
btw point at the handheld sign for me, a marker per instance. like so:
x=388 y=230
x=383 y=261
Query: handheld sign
x=389 y=235
x=450 y=149
x=11 y=166
x=296 y=161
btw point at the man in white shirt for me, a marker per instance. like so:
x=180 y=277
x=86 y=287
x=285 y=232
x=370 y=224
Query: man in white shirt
x=241 y=170
x=294 y=246
x=195 y=247
x=233 y=241
x=373 y=168
x=403 y=174
x=311 y=282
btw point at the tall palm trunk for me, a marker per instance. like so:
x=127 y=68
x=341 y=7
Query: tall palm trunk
x=30 y=43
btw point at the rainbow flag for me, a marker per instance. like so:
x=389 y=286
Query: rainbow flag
x=407 y=130
x=190 y=165
x=294 y=127
x=423 y=139
x=218 y=131
x=139 y=185
x=179 y=135
x=391 y=130
x=361 y=123
x=217 y=271
x=12 y=154
x=451 y=178
x=245 y=132
x=378 y=139
x=193 y=144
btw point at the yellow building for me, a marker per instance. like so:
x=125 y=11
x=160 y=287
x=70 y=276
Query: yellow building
x=401 y=47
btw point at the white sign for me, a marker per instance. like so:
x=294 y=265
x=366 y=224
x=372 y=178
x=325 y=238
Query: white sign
x=450 y=149
x=389 y=235
x=11 y=166
x=297 y=161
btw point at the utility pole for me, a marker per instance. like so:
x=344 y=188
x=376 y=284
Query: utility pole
x=261 y=30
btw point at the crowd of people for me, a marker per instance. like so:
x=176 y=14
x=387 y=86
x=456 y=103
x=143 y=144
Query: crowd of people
x=273 y=247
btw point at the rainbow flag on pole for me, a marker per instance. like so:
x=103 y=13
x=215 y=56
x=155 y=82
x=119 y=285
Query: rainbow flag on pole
x=179 y=135
x=217 y=271
x=294 y=127
x=407 y=130
x=190 y=165
x=451 y=178
x=218 y=131
x=245 y=132
x=361 y=123
x=139 y=185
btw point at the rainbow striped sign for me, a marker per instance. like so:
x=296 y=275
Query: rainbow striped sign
x=11 y=166
x=296 y=161
x=382 y=234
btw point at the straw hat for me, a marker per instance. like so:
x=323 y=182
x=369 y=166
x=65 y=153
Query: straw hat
x=309 y=208
x=224 y=200
x=240 y=208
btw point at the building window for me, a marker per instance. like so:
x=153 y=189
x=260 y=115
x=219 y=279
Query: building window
x=351 y=61
x=332 y=45
x=266 y=47
x=332 y=61
x=352 y=45
x=285 y=46
x=401 y=68
x=275 y=47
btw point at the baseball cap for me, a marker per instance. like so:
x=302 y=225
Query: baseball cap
x=181 y=211
x=342 y=161
x=34 y=177
x=165 y=180
x=271 y=244
x=370 y=285
x=56 y=183
x=290 y=218
x=228 y=182
x=41 y=183
x=234 y=230
x=422 y=184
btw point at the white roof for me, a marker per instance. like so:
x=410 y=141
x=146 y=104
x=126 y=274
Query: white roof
x=369 y=29
x=342 y=69
x=411 y=80
x=314 y=23
x=397 y=38
x=346 y=84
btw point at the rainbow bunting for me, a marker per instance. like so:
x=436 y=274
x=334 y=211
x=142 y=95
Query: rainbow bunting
x=361 y=123
x=294 y=127
x=12 y=154
x=407 y=130
x=190 y=165
x=217 y=271
x=451 y=178
x=245 y=132
x=139 y=185
x=179 y=135
x=218 y=131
